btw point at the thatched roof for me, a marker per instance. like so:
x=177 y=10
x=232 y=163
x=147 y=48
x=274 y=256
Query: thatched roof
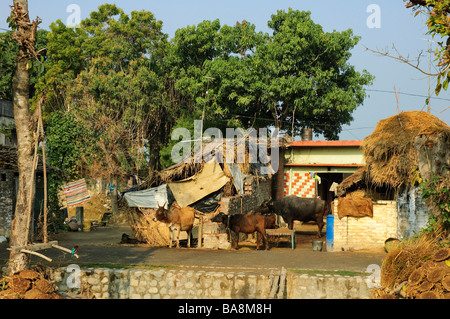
x=389 y=151
x=195 y=163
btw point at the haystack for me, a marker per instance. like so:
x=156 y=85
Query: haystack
x=416 y=269
x=389 y=151
x=392 y=152
x=155 y=234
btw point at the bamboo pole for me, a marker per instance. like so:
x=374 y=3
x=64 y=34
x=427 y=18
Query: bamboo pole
x=32 y=187
x=44 y=164
x=64 y=249
x=35 y=253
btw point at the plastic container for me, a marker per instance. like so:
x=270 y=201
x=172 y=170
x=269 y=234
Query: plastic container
x=330 y=233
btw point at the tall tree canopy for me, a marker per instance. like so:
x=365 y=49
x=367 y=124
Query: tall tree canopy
x=128 y=85
x=298 y=76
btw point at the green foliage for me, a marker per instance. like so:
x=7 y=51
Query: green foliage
x=116 y=87
x=8 y=55
x=437 y=190
x=438 y=23
x=107 y=74
x=254 y=79
x=65 y=141
x=65 y=146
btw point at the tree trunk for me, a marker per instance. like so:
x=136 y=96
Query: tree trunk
x=22 y=118
x=278 y=177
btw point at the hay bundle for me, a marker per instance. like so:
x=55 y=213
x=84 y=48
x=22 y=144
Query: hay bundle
x=416 y=269
x=389 y=151
x=155 y=234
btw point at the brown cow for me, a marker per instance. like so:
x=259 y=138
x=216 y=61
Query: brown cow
x=247 y=224
x=180 y=218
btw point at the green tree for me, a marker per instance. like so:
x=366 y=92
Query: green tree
x=297 y=77
x=309 y=74
x=438 y=23
x=8 y=62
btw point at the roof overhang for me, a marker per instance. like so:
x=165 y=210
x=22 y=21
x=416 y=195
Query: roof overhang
x=325 y=144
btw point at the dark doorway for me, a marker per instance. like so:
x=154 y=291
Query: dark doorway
x=323 y=189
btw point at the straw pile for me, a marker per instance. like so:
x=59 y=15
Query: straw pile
x=389 y=151
x=153 y=233
x=416 y=269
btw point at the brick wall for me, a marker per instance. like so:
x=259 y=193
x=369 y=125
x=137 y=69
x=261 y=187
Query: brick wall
x=215 y=235
x=302 y=185
x=7 y=199
x=366 y=232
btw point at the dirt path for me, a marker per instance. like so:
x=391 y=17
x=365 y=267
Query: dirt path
x=101 y=246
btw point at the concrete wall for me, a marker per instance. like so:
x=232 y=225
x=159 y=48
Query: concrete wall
x=366 y=232
x=189 y=284
x=326 y=287
x=413 y=214
x=325 y=155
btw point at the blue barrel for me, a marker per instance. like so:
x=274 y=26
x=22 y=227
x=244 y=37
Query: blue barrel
x=330 y=232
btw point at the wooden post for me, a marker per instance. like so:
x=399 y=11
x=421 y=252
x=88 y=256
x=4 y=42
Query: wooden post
x=33 y=177
x=200 y=233
x=44 y=165
x=79 y=211
x=36 y=254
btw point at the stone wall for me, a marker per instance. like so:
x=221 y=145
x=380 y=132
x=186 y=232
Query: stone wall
x=7 y=201
x=326 y=287
x=366 y=232
x=256 y=193
x=200 y=284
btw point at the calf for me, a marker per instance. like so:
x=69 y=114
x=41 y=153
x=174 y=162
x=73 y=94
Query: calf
x=297 y=208
x=247 y=224
x=126 y=239
x=176 y=217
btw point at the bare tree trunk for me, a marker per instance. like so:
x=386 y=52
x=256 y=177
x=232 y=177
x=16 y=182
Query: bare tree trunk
x=278 y=177
x=22 y=118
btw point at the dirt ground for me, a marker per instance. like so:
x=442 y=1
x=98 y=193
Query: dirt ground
x=102 y=246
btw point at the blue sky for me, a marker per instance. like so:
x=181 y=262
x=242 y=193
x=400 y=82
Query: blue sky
x=398 y=26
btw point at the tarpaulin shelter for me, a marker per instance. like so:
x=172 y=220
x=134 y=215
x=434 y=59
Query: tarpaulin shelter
x=149 y=198
x=193 y=189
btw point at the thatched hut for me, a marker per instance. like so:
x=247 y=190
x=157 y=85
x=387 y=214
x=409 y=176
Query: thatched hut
x=209 y=183
x=403 y=151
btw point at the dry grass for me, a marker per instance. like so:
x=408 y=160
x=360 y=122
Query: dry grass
x=417 y=268
x=405 y=258
x=155 y=234
x=389 y=151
